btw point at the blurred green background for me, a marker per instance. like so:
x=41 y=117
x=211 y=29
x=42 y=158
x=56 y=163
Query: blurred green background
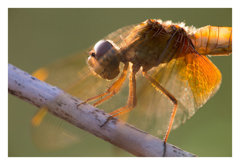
x=38 y=37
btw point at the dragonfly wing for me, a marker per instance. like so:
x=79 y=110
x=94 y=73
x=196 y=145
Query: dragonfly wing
x=69 y=73
x=52 y=133
x=73 y=76
x=191 y=78
x=119 y=35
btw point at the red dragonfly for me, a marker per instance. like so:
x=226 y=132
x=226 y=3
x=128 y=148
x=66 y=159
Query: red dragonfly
x=177 y=76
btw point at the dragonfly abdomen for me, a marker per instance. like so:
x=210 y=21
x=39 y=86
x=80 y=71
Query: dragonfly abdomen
x=213 y=40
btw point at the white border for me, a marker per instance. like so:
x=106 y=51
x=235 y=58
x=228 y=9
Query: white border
x=114 y=3
x=122 y=3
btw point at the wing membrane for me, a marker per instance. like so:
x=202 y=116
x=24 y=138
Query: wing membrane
x=192 y=79
x=73 y=76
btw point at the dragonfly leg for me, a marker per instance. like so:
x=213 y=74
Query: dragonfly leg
x=112 y=90
x=170 y=96
x=132 y=98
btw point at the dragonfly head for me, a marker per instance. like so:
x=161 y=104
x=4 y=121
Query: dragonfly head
x=103 y=60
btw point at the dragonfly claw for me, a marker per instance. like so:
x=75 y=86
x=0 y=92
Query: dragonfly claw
x=164 y=149
x=109 y=118
x=84 y=102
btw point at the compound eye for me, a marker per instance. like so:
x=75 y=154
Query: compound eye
x=101 y=48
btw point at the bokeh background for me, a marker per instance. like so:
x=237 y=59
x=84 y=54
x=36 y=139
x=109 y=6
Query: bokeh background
x=38 y=37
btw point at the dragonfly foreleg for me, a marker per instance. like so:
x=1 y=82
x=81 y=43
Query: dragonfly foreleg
x=132 y=98
x=112 y=90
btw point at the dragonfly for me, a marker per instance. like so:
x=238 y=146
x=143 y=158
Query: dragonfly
x=169 y=73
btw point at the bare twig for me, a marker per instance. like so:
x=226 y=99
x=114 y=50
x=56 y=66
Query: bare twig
x=87 y=117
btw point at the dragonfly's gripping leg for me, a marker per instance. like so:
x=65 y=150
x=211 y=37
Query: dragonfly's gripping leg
x=170 y=96
x=132 y=98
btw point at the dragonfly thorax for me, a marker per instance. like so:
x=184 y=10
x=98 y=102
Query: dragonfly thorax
x=104 y=60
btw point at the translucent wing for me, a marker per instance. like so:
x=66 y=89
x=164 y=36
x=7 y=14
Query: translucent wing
x=191 y=78
x=52 y=133
x=68 y=73
x=72 y=75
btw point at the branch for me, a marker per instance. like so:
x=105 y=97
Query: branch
x=87 y=117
